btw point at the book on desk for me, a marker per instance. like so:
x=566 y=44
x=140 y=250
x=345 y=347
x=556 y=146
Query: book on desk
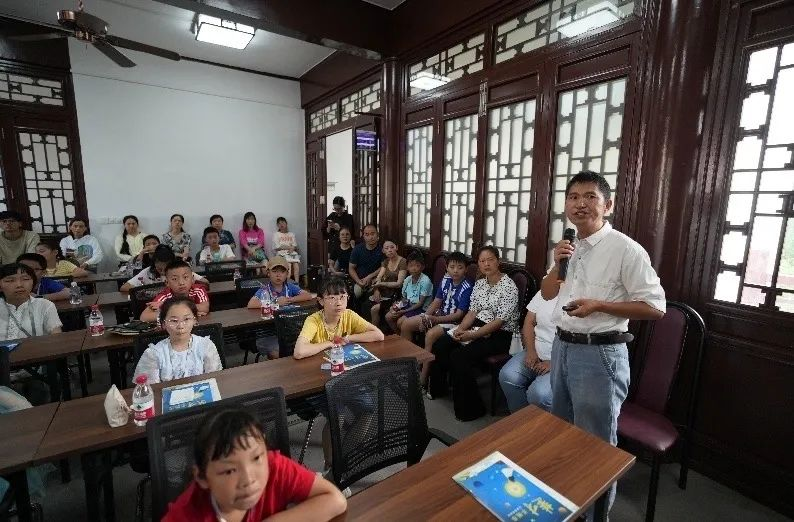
x=188 y=395
x=511 y=493
x=355 y=355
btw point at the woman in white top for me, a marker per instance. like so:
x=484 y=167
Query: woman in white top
x=286 y=246
x=20 y=314
x=182 y=354
x=81 y=246
x=130 y=243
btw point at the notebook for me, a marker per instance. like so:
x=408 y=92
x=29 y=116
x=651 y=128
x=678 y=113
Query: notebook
x=512 y=494
x=189 y=395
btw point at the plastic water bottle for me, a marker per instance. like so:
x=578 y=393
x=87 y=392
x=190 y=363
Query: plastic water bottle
x=129 y=270
x=75 y=295
x=142 y=401
x=267 y=309
x=337 y=360
x=208 y=257
x=96 y=323
x=236 y=275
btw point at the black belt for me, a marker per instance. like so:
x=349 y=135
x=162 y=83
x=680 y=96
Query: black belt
x=594 y=338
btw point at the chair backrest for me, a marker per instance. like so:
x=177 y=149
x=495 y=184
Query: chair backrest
x=377 y=418
x=527 y=288
x=288 y=325
x=246 y=287
x=212 y=330
x=141 y=295
x=5 y=368
x=667 y=339
x=170 y=439
x=223 y=270
x=472 y=272
x=439 y=269
x=64 y=280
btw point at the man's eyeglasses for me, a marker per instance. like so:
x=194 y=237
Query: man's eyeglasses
x=335 y=298
x=179 y=322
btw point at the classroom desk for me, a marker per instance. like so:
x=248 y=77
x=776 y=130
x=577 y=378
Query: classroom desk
x=22 y=432
x=53 y=350
x=578 y=465
x=64 y=306
x=123 y=298
x=80 y=426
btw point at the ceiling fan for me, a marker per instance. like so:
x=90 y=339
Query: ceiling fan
x=91 y=29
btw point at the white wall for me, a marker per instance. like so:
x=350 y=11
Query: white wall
x=167 y=137
x=339 y=166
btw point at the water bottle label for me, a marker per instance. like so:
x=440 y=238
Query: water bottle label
x=97 y=329
x=143 y=410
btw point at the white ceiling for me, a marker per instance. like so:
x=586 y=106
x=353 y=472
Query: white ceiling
x=386 y=4
x=169 y=27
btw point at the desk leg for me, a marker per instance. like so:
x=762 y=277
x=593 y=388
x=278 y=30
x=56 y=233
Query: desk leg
x=19 y=481
x=113 y=364
x=600 y=508
x=81 y=368
x=66 y=388
x=98 y=475
x=52 y=381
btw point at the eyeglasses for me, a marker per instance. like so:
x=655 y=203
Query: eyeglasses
x=179 y=322
x=335 y=298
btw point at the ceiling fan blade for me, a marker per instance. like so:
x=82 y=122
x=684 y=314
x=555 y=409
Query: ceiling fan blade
x=113 y=53
x=38 y=37
x=144 y=48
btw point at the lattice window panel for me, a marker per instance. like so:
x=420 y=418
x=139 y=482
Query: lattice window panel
x=757 y=254
x=365 y=188
x=460 y=177
x=324 y=118
x=553 y=21
x=30 y=89
x=48 y=181
x=365 y=100
x=450 y=64
x=589 y=128
x=511 y=136
x=418 y=185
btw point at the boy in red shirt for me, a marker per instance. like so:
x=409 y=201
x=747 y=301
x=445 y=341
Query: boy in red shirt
x=179 y=281
x=238 y=480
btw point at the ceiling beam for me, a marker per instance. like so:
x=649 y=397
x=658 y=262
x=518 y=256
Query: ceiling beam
x=350 y=26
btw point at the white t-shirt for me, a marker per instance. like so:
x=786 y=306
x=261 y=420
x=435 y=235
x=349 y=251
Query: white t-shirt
x=34 y=317
x=224 y=253
x=545 y=329
x=146 y=277
x=86 y=249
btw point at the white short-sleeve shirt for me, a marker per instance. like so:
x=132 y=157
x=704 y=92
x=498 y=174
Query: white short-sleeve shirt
x=607 y=266
x=36 y=316
x=545 y=329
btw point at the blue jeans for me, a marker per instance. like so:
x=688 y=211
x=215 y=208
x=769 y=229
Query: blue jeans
x=522 y=386
x=589 y=384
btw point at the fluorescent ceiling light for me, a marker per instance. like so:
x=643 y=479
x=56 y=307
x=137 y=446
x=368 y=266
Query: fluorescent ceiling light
x=597 y=15
x=426 y=80
x=223 y=32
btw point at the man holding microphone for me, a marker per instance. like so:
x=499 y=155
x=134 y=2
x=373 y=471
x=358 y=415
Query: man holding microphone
x=609 y=281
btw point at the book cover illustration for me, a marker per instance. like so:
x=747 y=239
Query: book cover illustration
x=355 y=355
x=512 y=494
x=189 y=395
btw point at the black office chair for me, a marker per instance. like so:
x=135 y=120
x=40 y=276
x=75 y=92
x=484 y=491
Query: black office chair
x=377 y=418
x=5 y=368
x=140 y=296
x=223 y=270
x=170 y=439
x=244 y=290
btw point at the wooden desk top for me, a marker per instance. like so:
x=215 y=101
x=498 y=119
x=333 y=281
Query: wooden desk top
x=578 y=465
x=48 y=347
x=22 y=432
x=81 y=425
x=65 y=306
x=101 y=278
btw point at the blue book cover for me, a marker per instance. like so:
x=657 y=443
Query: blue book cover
x=512 y=494
x=189 y=395
x=355 y=355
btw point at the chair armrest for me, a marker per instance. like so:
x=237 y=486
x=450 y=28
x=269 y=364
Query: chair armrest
x=442 y=436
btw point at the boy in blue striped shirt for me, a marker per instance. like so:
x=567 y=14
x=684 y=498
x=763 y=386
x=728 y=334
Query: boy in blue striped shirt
x=447 y=309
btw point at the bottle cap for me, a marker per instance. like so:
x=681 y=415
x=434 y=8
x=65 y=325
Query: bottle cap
x=95 y=307
x=141 y=379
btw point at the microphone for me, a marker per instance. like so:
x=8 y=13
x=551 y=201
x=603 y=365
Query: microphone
x=570 y=235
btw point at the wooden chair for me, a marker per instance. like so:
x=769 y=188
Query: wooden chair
x=643 y=419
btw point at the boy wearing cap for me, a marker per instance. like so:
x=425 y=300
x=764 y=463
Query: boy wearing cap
x=14 y=241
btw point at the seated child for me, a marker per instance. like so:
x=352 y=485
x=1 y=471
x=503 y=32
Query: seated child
x=447 y=309
x=22 y=315
x=179 y=281
x=58 y=267
x=155 y=272
x=45 y=287
x=182 y=354
x=238 y=479
x=286 y=246
x=417 y=292
x=213 y=251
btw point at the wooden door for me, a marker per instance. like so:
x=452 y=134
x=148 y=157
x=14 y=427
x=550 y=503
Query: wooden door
x=316 y=208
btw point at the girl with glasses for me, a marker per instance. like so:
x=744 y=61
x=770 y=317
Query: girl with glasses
x=182 y=354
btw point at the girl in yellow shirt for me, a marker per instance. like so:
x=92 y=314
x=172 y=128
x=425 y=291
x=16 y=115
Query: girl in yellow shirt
x=56 y=267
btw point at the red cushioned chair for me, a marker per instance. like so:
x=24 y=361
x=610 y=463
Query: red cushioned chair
x=643 y=421
x=438 y=269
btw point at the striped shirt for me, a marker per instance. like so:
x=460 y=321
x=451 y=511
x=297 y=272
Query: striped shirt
x=453 y=298
x=197 y=294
